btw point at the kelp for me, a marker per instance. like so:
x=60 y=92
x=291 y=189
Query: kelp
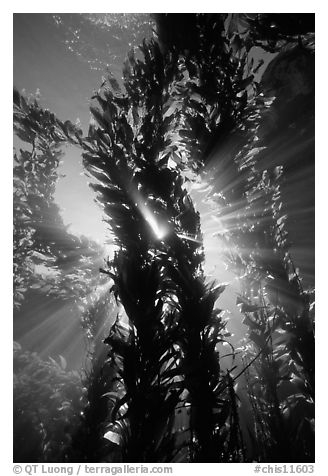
x=40 y=236
x=48 y=399
x=161 y=394
x=154 y=275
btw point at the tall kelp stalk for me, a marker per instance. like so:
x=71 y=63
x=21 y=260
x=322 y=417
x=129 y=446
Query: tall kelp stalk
x=278 y=313
x=277 y=309
x=112 y=157
x=173 y=329
x=216 y=97
x=177 y=106
x=72 y=264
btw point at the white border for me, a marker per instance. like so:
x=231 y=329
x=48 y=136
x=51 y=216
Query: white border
x=6 y=189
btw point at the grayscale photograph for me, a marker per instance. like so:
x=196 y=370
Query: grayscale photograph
x=163 y=232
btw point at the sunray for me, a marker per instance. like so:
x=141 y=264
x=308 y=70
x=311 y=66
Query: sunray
x=189 y=238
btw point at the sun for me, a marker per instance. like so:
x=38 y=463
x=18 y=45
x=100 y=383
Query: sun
x=159 y=230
